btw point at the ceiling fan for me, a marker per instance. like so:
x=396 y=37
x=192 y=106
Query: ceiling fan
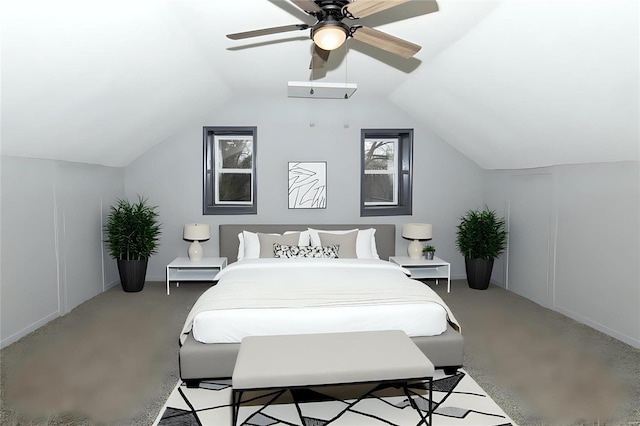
x=330 y=32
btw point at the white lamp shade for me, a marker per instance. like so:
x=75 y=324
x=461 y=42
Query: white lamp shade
x=329 y=37
x=196 y=232
x=417 y=231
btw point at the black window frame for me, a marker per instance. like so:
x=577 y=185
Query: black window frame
x=405 y=173
x=209 y=206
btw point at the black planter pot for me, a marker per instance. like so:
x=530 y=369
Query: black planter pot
x=132 y=274
x=478 y=272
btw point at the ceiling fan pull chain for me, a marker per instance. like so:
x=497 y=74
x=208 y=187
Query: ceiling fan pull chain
x=346 y=68
x=312 y=71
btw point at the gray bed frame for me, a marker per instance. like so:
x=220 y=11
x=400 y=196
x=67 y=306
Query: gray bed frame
x=200 y=361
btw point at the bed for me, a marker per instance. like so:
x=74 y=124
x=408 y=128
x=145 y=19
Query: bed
x=349 y=293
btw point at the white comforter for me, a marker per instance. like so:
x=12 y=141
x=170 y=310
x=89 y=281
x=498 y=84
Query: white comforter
x=286 y=286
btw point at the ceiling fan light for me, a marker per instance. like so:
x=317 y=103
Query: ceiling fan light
x=329 y=37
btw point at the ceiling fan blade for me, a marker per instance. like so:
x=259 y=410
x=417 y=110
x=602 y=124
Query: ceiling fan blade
x=362 y=8
x=318 y=58
x=307 y=5
x=385 y=41
x=267 y=31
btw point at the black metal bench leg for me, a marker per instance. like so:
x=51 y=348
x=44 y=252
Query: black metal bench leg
x=237 y=398
x=415 y=405
x=431 y=401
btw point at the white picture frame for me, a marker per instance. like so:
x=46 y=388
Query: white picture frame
x=307 y=185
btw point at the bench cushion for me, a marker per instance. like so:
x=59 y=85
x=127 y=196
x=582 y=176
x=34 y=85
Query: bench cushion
x=330 y=358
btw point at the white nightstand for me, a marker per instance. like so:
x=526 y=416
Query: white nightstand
x=183 y=269
x=423 y=268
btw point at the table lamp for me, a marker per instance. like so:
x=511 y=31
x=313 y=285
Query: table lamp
x=196 y=232
x=416 y=232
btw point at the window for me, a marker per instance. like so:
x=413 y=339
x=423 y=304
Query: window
x=229 y=170
x=386 y=180
x=380 y=172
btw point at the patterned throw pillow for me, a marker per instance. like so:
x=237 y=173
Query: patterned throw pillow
x=298 y=252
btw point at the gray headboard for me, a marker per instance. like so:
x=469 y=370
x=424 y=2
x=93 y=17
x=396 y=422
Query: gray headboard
x=385 y=236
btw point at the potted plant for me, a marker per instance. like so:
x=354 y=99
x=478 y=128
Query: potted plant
x=481 y=237
x=429 y=252
x=132 y=237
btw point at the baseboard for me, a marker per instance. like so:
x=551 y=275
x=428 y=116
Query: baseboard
x=111 y=284
x=155 y=278
x=30 y=328
x=600 y=327
x=498 y=284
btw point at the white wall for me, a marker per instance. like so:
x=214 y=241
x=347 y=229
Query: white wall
x=53 y=258
x=445 y=182
x=574 y=241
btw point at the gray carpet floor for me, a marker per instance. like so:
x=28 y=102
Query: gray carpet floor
x=113 y=361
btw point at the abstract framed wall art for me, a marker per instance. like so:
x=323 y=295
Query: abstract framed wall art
x=307 y=184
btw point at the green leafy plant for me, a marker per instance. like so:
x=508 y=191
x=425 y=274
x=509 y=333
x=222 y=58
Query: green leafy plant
x=132 y=230
x=428 y=248
x=481 y=234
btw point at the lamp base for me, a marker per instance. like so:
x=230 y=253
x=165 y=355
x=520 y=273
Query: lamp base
x=415 y=250
x=195 y=251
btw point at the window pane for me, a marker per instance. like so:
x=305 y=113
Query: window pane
x=386 y=180
x=234 y=187
x=379 y=154
x=378 y=188
x=236 y=153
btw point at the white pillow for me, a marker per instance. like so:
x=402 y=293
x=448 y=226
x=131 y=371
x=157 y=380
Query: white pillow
x=305 y=237
x=365 y=242
x=368 y=235
x=249 y=246
x=240 y=254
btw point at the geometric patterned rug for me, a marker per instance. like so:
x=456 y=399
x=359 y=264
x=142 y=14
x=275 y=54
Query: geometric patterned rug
x=457 y=400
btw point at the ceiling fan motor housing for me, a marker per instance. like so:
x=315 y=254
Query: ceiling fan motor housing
x=331 y=10
x=331 y=3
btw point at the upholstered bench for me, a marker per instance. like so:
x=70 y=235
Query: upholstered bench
x=308 y=360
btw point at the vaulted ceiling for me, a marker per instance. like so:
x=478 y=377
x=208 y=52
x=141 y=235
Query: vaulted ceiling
x=509 y=83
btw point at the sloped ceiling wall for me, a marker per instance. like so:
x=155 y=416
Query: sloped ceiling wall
x=511 y=83
x=536 y=83
x=99 y=82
